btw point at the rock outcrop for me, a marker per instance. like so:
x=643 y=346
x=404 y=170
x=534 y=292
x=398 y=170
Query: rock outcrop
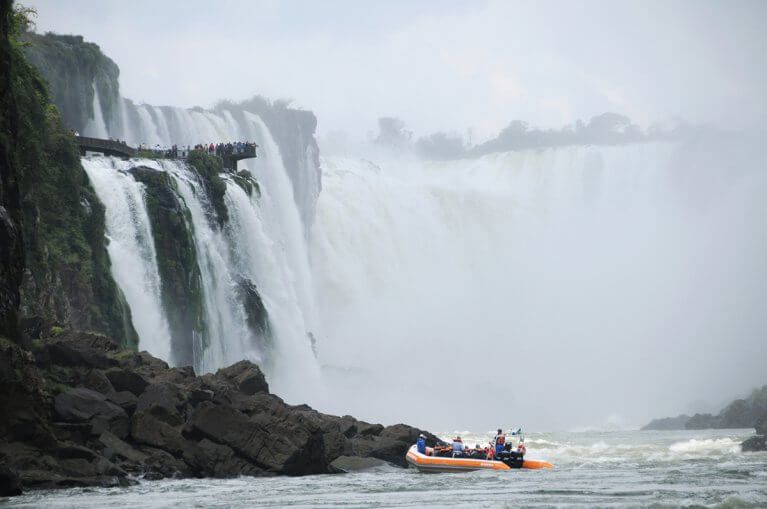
x=741 y=413
x=79 y=411
x=667 y=423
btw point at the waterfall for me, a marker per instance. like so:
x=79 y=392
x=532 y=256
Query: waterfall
x=258 y=258
x=538 y=283
x=96 y=126
x=131 y=250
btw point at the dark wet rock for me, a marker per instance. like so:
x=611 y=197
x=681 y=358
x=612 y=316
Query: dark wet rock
x=97 y=381
x=10 y=484
x=34 y=326
x=150 y=427
x=148 y=420
x=85 y=405
x=355 y=463
x=121 y=448
x=125 y=400
x=755 y=443
x=384 y=448
x=197 y=396
x=761 y=424
x=161 y=464
x=164 y=400
x=741 y=413
x=216 y=460
x=80 y=405
x=126 y=380
x=276 y=446
x=668 y=423
x=63 y=353
x=246 y=376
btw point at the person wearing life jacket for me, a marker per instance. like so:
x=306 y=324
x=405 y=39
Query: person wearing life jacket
x=499 y=441
x=421 y=444
x=457 y=447
x=521 y=449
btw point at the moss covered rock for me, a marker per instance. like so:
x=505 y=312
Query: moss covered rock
x=181 y=283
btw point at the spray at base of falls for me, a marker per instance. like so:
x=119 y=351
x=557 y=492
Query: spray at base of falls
x=236 y=264
x=552 y=288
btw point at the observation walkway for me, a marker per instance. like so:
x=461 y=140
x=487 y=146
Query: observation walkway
x=106 y=147
x=121 y=149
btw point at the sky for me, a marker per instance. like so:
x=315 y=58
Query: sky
x=440 y=65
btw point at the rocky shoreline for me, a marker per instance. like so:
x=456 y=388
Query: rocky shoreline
x=80 y=411
x=750 y=412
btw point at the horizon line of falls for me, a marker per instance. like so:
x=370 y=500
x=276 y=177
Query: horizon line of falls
x=208 y=290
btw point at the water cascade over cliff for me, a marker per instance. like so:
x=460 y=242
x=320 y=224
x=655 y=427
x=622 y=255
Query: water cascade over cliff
x=545 y=281
x=537 y=287
x=207 y=290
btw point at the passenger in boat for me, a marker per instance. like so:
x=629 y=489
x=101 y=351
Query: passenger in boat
x=477 y=452
x=421 y=444
x=457 y=447
x=500 y=442
x=521 y=449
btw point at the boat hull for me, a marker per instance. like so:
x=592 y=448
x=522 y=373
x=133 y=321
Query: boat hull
x=426 y=463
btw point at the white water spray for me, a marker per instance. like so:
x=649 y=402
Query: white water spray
x=131 y=250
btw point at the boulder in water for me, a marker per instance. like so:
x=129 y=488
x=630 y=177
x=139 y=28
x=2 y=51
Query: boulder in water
x=344 y=464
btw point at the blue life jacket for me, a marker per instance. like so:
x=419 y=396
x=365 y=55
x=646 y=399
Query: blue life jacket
x=421 y=445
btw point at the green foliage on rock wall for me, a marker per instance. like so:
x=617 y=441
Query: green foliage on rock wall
x=181 y=283
x=67 y=277
x=209 y=168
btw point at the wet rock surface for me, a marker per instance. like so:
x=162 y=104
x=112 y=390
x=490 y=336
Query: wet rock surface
x=78 y=411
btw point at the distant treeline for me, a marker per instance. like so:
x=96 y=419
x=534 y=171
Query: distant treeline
x=604 y=129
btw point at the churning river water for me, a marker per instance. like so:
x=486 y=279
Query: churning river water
x=592 y=469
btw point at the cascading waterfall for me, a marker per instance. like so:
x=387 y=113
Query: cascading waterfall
x=514 y=281
x=520 y=285
x=96 y=126
x=131 y=250
x=250 y=252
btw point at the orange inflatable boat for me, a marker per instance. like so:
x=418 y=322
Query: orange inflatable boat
x=430 y=463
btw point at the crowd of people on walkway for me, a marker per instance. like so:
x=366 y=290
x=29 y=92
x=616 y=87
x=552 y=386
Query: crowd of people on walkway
x=218 y=149
x=226 y=149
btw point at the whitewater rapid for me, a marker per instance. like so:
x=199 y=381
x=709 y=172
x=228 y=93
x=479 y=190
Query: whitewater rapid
x=597 y=469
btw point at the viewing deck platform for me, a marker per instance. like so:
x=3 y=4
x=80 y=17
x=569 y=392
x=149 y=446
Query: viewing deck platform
x=106 y=147
x=230 y=160
x=121 y=149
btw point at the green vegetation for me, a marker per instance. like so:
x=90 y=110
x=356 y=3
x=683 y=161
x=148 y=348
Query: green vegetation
x=209 y=168
x=247 y=182
x=68 y=278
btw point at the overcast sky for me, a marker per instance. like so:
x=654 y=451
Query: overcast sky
x=440 y=65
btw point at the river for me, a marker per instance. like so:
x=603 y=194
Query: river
x=592 y=469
